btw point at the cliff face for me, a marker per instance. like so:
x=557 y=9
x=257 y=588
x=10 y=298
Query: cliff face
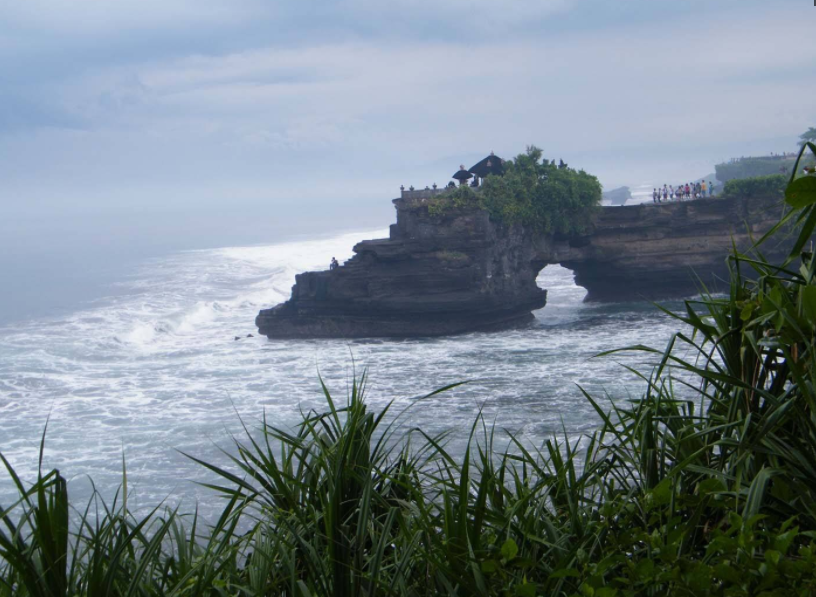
x=653 y=251
x=433 y=276
x=461 y=272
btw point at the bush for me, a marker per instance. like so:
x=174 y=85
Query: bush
x=760 y=186
x=756 y=167
x=535 y=193
x=753 y=167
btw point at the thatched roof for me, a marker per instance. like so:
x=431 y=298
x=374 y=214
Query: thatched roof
x=492 y=164
x=462 y=174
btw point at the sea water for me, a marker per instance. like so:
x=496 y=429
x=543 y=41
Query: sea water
x=150 y=370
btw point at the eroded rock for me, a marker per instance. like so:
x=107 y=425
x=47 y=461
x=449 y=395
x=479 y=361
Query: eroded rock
x=462 y=272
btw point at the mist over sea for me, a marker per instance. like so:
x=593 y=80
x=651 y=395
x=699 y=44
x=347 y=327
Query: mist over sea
x=136 y=356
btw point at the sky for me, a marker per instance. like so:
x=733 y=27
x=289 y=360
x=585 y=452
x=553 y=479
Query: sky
x=143 y=106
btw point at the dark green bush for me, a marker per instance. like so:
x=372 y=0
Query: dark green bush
x=761 y=186
x=538 y=194
x=753 y=167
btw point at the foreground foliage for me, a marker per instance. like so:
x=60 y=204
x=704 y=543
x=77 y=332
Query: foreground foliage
x=704 y=486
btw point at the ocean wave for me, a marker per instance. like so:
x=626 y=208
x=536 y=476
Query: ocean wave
x=156 y=366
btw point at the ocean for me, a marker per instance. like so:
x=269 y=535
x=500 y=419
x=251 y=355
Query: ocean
x=149 y=368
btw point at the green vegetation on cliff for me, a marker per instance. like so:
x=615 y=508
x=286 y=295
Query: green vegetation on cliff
x=760 y=186
x=536 y=193
x=754 y=167
x=705 y=486
x=809 y=136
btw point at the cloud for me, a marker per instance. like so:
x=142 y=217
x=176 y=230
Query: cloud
x=88 y=17
x=332 y=115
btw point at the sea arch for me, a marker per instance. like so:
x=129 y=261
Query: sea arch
x=456 y=272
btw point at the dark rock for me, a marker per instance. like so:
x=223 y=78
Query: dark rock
x=618 y=196
x=462 y=272
x=655 y=251
x=434 y=276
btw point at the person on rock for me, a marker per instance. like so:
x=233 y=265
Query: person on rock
x=334 y=264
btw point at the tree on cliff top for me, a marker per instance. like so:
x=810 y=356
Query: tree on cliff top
x=542 y=195
x=808 y=136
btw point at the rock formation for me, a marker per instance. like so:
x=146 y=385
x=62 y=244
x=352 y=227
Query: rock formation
x=433 y=276
x=618 y=196
x=461 y=272
x=654 y=251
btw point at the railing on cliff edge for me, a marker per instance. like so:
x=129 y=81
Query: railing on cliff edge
x=422 y=193
x=419 y=196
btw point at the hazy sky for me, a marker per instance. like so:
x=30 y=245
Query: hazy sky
x=173 y=104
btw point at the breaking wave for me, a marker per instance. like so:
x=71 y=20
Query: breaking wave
x=155 y=368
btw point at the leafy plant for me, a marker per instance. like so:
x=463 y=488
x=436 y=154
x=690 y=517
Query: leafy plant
x=809 y=136
x=753 y=168
x=760 y=186
x=533 y=192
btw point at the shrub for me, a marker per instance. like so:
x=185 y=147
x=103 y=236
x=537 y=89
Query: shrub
x=753 y=167
x=537 y=194
x=760 y=186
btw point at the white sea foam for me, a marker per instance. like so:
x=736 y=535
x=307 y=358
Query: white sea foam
x=155 y=368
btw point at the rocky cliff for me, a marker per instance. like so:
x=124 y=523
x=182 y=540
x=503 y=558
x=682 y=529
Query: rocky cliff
x=433 y=276
x=461 y=272
x=654 y=251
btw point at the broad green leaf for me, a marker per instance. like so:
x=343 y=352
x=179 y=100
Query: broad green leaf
x=809 y=302
x=526 y=590
x=772 y=556
x=509 y=549
x=644 y=569
x=783 y=541
x=566 y=572
x=801 y=192
x=727 y=573
x=662 y=493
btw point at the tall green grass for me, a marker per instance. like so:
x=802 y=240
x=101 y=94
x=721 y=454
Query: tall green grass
x=706 y=485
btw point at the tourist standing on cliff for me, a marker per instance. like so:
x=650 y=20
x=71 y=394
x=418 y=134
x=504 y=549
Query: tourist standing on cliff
x=710 y=189
x=703 y=189
x=654 y=195
x=686 y=191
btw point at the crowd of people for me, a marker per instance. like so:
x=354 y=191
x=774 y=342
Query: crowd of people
x=690 y=190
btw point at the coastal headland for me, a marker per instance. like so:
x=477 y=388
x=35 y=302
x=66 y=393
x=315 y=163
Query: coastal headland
x=459 y=271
